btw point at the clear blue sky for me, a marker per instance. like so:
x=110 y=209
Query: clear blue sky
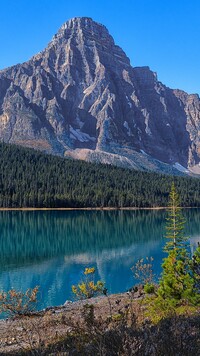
x=163 y=34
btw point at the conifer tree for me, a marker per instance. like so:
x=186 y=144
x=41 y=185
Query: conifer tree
x=175 y=224
x=196 y=268
x=177 y=282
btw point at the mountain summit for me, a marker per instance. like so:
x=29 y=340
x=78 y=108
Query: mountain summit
x=80 y=97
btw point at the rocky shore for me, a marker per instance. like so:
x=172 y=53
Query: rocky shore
x=112 y=325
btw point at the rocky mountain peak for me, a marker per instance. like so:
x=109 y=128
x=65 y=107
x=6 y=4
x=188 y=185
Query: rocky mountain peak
x=86 y=35
x=81 y=98
x=84 y=24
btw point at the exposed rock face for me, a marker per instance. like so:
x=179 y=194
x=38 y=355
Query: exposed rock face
x=80 y=97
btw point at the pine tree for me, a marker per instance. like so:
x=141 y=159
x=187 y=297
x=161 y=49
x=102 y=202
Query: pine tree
x=196 y=268
x=177 y=282
x=175 y=224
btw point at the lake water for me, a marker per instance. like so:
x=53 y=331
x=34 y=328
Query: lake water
x=52 y=248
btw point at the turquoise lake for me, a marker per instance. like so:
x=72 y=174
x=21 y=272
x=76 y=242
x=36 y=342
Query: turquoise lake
x=52 y=248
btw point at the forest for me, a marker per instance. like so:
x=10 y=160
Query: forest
x=29 y=178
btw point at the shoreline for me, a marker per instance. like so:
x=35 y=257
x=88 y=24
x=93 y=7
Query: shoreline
x=54 y=323
x=94 y=209
x=52 y=329
x=71 y=209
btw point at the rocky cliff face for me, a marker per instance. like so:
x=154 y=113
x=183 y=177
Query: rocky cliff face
x=80 y=97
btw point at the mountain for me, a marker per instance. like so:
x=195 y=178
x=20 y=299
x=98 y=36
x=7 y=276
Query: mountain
x=81 y=98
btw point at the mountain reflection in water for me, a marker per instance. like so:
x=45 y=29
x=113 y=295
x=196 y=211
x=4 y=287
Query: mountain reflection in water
x=51 y=248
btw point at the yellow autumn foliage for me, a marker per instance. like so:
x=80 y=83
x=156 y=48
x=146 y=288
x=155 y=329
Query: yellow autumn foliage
x=88 y=288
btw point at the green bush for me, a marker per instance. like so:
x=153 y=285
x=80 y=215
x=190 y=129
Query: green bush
x=149 y=288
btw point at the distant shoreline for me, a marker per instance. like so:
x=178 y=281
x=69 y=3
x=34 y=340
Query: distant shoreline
x=93 y=209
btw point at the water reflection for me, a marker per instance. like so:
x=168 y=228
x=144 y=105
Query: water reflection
x=51 y=248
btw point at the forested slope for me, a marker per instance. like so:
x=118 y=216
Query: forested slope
x=32 y=179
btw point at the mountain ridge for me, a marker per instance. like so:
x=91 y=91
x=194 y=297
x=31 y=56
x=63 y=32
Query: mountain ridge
x=80 y=97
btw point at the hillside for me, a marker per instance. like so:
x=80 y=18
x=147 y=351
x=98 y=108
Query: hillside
x=33 y=179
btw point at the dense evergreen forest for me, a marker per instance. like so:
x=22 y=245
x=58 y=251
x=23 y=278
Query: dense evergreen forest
x=32 y=179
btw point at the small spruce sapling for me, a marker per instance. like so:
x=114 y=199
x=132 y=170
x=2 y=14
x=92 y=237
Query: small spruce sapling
x=195 y=265
x=177 y=282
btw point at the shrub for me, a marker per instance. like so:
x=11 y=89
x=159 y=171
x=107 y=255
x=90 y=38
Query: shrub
x=143 y=270
x=88 y=288
x=18 y=303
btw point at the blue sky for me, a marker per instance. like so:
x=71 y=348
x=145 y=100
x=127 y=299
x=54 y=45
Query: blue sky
x=163 y=34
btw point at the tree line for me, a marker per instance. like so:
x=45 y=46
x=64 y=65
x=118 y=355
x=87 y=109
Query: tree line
x=29 y=178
